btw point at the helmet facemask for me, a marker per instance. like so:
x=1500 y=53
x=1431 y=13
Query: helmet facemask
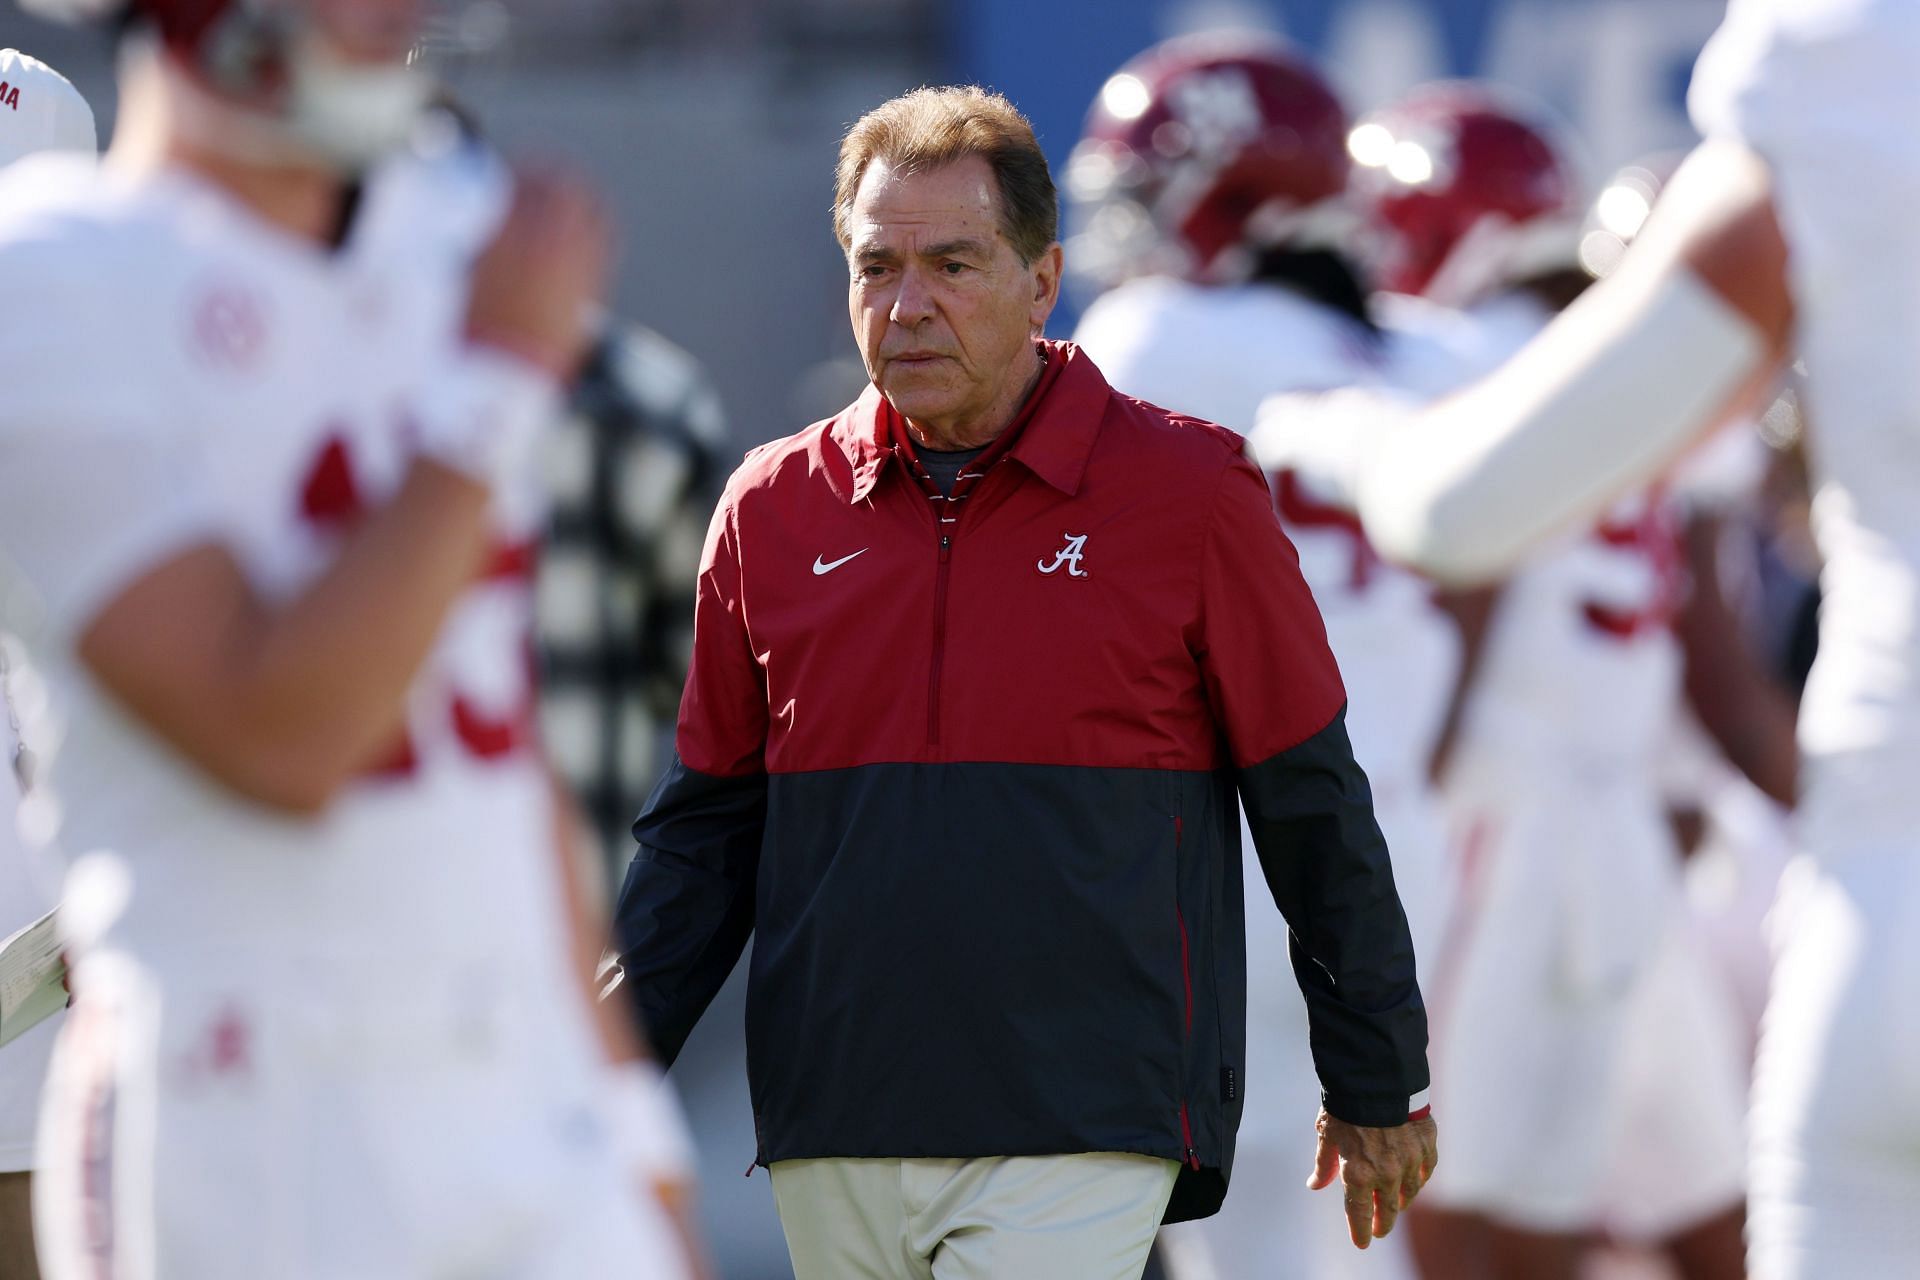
x=352 y=112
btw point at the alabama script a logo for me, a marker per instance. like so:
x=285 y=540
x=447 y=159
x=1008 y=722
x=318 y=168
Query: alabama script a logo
x=1069 y=556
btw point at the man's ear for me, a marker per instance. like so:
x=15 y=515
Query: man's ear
x=1046 y=270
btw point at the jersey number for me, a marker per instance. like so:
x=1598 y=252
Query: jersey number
x=331 y=502
x=1301 y=510
x=1651 y=535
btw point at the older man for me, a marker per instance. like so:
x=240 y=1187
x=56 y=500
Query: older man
x=979 y=666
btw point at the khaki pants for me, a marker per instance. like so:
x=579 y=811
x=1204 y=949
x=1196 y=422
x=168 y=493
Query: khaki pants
x=1087 y=1217
x=16 y=1228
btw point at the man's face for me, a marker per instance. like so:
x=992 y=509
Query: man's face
x=942 y=306
x=366 y=31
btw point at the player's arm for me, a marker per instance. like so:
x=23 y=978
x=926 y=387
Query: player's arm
x=283 y=705
x=1326 y=437
x=1748 y=715
x=575 y=848
x=1472 y=612
x=687 y=907
x=1273 y=685
x=284 y=702
x=1691 y=331
x=650 y=1126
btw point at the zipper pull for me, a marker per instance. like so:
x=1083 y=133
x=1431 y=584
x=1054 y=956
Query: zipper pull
x=946 y=544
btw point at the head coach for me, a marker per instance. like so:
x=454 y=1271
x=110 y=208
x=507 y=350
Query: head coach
x=980 y=665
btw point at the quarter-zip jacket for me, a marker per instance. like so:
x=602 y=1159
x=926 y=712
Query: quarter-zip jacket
x=966 y=768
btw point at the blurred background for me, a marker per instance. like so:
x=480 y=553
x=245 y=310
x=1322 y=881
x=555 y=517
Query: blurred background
x=712 y=127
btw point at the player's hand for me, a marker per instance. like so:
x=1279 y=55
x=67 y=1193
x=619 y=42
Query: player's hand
x=650 y=1133
x=1381 y=1170
x=534 y=287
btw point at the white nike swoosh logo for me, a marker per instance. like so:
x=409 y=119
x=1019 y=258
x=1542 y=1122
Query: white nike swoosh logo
x=824 y=566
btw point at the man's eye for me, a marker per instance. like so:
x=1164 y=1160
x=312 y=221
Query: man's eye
x=953 y=268
x=872 y=271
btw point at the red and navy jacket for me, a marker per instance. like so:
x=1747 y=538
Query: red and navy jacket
x=965 y=769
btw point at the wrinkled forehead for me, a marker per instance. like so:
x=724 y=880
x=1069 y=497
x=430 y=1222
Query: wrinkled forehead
x=906 y=210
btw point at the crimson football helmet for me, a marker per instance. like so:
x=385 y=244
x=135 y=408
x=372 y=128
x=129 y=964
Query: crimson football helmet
x=264 y=56
x=1466 y=191
x=1202 y=152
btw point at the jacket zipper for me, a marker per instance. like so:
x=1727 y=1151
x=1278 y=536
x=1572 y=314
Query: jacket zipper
x=939 y=640
x=1186 y=982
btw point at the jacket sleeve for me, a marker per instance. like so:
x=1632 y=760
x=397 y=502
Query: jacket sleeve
x=1277 y=695
x=686 y=909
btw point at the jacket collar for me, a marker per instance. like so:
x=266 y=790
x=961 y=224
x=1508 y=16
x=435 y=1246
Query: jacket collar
x=1055 y=434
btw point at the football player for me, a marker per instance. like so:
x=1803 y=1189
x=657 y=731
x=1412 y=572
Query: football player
x=265 y=508
x=1786 y=228
x=1208 y=192
x=45 y=113
x=1566 y=960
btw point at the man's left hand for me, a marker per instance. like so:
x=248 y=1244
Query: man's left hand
x=1382 y=1170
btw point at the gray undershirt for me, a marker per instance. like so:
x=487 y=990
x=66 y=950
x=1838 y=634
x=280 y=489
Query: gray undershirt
x=945 y=465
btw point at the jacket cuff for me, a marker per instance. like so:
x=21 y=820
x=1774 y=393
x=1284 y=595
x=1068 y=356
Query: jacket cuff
x=1376 y=1111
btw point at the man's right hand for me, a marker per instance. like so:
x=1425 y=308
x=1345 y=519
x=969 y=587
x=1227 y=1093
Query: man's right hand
x=1382 y=1170
x=534 y=287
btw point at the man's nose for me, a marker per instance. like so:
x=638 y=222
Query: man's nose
x=913 y=301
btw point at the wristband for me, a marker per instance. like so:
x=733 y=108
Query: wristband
x=483 y=413
x=649 y=1129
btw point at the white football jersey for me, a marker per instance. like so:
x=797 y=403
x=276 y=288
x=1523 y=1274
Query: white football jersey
x=1435 y=349
x=1580 y=664
x=1580 y=667
x=1216 y=353
x=189 y=374
x=1825 y=91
